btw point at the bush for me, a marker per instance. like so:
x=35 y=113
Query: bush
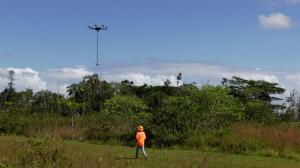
x=47 y=152
x=13 y=124
x=211 y=107
x=119 y=118
x=260 y=112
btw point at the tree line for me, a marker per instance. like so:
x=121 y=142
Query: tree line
x=169 y=113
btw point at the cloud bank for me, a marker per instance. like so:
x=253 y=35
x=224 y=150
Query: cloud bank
x=57 y=80
x=24 y=78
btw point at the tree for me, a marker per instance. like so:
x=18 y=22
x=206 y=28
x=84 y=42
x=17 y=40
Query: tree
x=46 y=101
x=91 y=92
x=173 y=120
x=294 y=104
x=260 y=112
x=208 y=107
x=8 y=95
x=126 y=88
x=11 y=79
x=167 y=83
x=218 y=107
x=257 y=95
x=25 y=100
x=156 y=94
x=127 y=107
x=246 y=90
x=179 y=78
x=124 y=113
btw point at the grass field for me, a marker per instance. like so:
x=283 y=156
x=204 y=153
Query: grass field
x=21 y=152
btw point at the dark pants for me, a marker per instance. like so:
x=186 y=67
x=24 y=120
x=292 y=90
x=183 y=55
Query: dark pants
x=138 y=148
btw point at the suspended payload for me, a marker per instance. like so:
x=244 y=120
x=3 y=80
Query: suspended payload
x=98 y=28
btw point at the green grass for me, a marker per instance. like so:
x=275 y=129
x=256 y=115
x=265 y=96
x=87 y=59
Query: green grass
x=84 y=154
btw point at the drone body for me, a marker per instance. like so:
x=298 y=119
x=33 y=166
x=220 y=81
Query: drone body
x=98 y=28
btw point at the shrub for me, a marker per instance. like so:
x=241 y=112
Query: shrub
x=260 y=112
x=13 y=124
x=47 y=152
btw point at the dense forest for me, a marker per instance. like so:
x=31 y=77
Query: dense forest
x=95 y=109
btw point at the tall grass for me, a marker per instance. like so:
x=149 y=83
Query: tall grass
x=53 y=152
x=249 y=138
x=46 y=152
x=241 y=138
x=279 y=137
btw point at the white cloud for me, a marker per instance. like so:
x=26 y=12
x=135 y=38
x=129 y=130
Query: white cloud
x=275 y=21
x=294 y=79
x=194 y=71
x=57 y=80
x=257 y=76
x=54 y=79
x=68 y=73
x=24 y=78
x=140 y=79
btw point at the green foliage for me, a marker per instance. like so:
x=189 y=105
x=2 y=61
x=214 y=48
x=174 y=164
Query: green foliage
x=237 y=145
x=127 y=108
x=219 y=107
x=257 y=96
x=7 y=99
x=224 y=140
x=13 y=124
x=70 y=108
x=252 y=90
x=210 y=107
x=47 y=152
x=118 y=119
x=82 y=154
x=123 y=114
x=126 y=88
x=46 y=102
x=259 y=111
x=171 y=122
x=99 y=110
x=91 y=92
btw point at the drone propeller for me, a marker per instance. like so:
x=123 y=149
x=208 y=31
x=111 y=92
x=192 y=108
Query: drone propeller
x=90 y=27
x=104 y=27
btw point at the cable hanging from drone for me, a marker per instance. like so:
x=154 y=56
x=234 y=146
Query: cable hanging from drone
x=98 y=28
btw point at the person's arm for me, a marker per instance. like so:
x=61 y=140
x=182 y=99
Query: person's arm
x=145 y=135
x=136 y=136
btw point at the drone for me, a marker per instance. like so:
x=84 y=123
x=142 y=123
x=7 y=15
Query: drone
x=98 y=28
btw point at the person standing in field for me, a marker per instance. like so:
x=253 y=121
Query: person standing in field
x=140 y=142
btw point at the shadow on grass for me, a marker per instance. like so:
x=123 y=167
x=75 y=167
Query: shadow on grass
x=125 y=158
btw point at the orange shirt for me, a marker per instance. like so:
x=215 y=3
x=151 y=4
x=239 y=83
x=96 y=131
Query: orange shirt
x=140 y=138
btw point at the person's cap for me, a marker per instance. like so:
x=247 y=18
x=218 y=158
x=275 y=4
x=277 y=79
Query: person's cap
x=140 y=128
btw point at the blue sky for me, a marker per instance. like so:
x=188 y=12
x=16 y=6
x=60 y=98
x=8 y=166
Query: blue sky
x=49 y=36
